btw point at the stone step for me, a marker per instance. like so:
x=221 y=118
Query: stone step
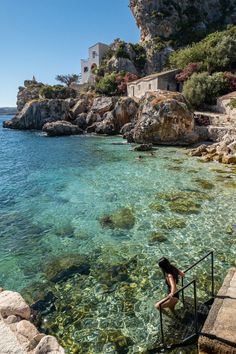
x=216 y=119
x=219 y=331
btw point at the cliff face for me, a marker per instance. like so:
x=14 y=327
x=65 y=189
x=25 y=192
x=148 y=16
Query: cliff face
x=182 y=21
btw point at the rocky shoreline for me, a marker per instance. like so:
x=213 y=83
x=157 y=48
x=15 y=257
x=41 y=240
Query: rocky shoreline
x=159 y=118
x=18 y=335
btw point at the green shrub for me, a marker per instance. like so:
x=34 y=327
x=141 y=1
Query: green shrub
x=121 y=51
x=107 y=84
x=216 y=52
x=140 y=55
x=203 y=88
x=57 y=91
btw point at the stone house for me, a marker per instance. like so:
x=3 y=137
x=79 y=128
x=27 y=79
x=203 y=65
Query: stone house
x=96 y=54
x=164 y=80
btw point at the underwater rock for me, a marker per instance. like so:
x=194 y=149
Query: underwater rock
x=185 y=206
x=204 y=183
x=172 y=223
x=157 y=207
x=45 y=305
x=122 y=219
x=155 y=237
x=61 y=268
x=63 y=275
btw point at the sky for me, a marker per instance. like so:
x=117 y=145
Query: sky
x=45 y=38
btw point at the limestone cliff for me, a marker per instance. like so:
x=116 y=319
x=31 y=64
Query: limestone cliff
x=182 y=21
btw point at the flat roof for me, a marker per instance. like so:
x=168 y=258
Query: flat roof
x=153 y=76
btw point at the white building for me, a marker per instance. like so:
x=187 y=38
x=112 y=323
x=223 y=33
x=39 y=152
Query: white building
x=164 y=80
x=96 y=53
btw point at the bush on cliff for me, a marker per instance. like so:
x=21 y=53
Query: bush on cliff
x=57 y=91
x=107 y=84
x=216 y=52
x=115 y=83
x=203 y=88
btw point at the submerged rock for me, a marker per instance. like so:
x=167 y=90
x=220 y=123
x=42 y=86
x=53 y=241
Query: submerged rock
x=61 y=268
x=172 y=223
x=122 y=219
x=156 y=237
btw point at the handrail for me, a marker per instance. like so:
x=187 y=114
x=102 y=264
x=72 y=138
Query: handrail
x=211 y=253
x=195 y=307
x=196 y=263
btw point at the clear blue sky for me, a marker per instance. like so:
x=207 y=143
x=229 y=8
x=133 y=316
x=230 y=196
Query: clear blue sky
x=49 y=37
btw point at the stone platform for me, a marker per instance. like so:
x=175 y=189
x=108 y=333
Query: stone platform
x=218 y=336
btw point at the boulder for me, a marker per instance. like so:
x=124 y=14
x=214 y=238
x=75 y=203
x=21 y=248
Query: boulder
x=80 y=121
x=224 y=151
x=37 y=113
x=92 y=128
x=107 y=125
x=143 y=147
x=60 y=128
x=164 y=118
x=81 y=106
x=47 y=345
x=92 y=118
x=27 y=329
x=103 y=104
x=124 y=112
x=126 y=128
x=12 y=303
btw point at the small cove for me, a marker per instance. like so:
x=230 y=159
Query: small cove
x=54 y=193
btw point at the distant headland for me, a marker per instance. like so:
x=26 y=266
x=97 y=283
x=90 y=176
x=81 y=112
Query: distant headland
x=7 y=111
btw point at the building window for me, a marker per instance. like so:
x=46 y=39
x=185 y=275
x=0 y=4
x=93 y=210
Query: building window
x=139 y=87
x=94 y=54
x=86 y=69
x=150 y=86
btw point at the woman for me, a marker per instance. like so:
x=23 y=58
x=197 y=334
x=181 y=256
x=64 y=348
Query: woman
x=171 y=275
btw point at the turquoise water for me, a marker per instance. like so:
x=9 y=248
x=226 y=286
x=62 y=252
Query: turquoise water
x=54 y=194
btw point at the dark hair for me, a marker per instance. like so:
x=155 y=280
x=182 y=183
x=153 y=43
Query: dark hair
x=168 y=268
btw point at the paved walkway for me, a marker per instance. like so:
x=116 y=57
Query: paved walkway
x=219 y=332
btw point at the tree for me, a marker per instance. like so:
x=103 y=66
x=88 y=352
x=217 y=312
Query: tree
x=67 y=79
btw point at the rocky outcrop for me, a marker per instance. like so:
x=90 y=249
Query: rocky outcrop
x=224 y=151
x=164 y=118
x=103 y=104
x=181 y=20
x=60 y=128
x=112 y=122
x=36 y=113
x=17 y=334
x=28 y=92
x=121 y=64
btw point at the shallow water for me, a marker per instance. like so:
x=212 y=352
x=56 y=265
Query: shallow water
x=54 y=192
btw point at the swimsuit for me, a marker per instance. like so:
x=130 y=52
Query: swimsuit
x=169 y=290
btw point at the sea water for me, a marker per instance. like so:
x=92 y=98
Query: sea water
x=89 y=196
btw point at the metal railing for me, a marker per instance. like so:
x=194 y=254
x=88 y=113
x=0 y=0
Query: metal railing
x=193 y=282
x=211 y=253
